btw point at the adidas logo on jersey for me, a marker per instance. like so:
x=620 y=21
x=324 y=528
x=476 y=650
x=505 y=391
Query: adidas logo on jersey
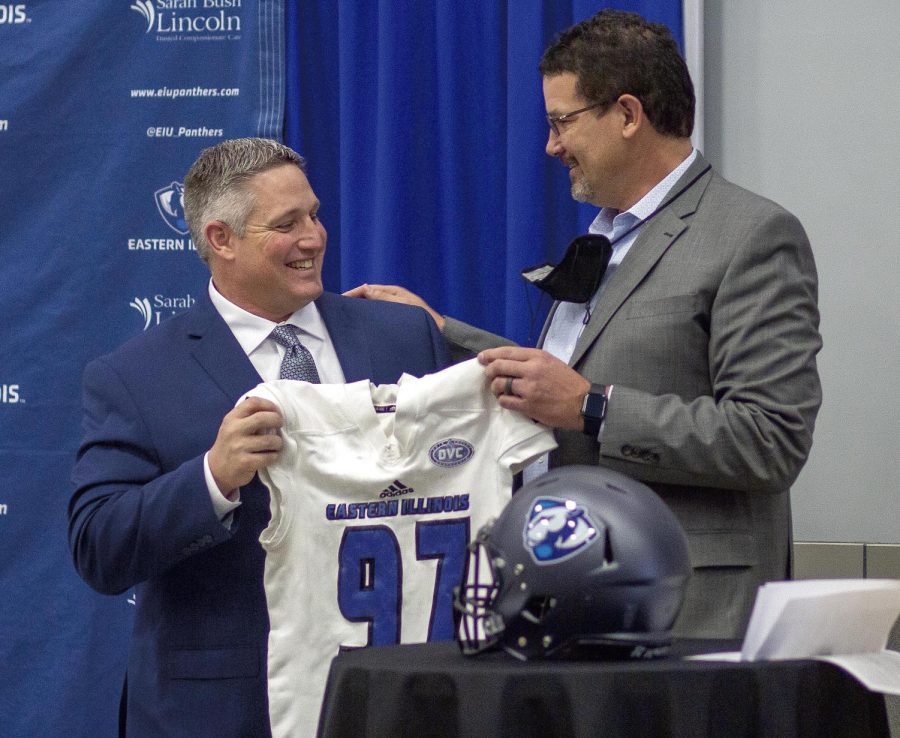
x=396 y=489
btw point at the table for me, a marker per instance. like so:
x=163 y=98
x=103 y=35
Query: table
x=432 y=690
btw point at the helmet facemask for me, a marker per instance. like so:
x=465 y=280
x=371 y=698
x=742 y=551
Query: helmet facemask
x=478 y=627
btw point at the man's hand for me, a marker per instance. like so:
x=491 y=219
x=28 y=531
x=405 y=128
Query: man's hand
x=542 y=387
x=247 y=441
x=394 y=293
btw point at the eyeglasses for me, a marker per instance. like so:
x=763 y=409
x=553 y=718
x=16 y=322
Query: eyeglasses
x=554 y=120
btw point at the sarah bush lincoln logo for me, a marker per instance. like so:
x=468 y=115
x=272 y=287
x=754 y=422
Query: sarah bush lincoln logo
x=170 y=203
x=142 y=305
x=154 y=310
x=174 y=20
x=145 y=8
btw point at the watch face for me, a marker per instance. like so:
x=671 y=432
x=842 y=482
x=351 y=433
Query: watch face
x=594 y=405
x=593 y=411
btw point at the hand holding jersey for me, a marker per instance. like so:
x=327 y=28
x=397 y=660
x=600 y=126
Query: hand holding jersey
x=537 y=384
x=542 y=386
x=245 y=443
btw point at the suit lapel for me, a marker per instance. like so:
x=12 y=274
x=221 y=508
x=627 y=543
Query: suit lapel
x=215 y=348
x=654 y=240
x=349 y=337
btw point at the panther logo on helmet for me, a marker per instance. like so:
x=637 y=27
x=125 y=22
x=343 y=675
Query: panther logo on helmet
x=557 y=530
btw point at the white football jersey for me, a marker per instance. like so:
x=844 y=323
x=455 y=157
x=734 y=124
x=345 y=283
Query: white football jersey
x=375 y=496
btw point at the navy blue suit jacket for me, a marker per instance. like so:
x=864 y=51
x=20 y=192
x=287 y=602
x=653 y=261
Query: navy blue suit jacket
x=141 y=517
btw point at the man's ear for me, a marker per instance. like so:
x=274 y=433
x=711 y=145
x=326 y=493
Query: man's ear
x=219 y=237
x=632 y=112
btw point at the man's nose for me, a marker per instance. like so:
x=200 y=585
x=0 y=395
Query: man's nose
x=554 y=147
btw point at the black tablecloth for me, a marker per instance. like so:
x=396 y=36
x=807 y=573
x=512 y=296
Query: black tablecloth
x=432 y=690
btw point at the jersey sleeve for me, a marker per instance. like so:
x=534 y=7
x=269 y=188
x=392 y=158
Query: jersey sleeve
x=266 y=391
x=520 y=440
x=280 y=521
x=524 y=439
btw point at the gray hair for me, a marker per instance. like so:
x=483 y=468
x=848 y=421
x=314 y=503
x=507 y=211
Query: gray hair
x=215 y=185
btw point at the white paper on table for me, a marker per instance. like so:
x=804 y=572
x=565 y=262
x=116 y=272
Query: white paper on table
x=846 y=622
x=880 y=672
x=821 y=618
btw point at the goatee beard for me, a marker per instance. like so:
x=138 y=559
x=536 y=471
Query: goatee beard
x=582 y=190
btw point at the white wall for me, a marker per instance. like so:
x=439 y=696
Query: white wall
x=802 y=105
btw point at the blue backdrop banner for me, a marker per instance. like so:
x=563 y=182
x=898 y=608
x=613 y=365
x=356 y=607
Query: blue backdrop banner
x=103 y=106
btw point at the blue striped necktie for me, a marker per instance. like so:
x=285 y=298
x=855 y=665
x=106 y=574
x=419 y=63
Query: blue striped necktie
x=297 y=363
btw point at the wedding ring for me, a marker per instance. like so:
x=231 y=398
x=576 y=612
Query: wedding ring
x=508 y=389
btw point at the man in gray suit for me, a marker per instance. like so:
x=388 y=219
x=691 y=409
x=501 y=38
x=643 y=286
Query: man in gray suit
x=692 y=366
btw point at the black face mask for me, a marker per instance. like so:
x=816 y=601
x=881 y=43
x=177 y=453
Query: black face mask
x=577 y=276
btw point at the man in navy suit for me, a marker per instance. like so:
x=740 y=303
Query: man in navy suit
x=167 y=500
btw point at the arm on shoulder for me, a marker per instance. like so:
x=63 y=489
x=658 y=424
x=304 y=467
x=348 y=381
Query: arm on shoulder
x=464 y=341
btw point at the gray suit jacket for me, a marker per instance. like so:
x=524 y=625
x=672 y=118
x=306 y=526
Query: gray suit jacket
x=708 y=331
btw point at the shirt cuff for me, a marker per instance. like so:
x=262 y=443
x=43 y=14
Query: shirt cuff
x=221 y=504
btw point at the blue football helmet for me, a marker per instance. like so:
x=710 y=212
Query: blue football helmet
x=582 y=562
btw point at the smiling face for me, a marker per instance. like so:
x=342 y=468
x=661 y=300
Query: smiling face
x=275 y=268
x=590 y=144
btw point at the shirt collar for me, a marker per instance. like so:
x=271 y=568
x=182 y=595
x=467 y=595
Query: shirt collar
x=251 y=330
x=606 y=221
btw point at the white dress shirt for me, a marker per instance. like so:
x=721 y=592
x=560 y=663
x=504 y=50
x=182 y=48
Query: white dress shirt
x=253 y=333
